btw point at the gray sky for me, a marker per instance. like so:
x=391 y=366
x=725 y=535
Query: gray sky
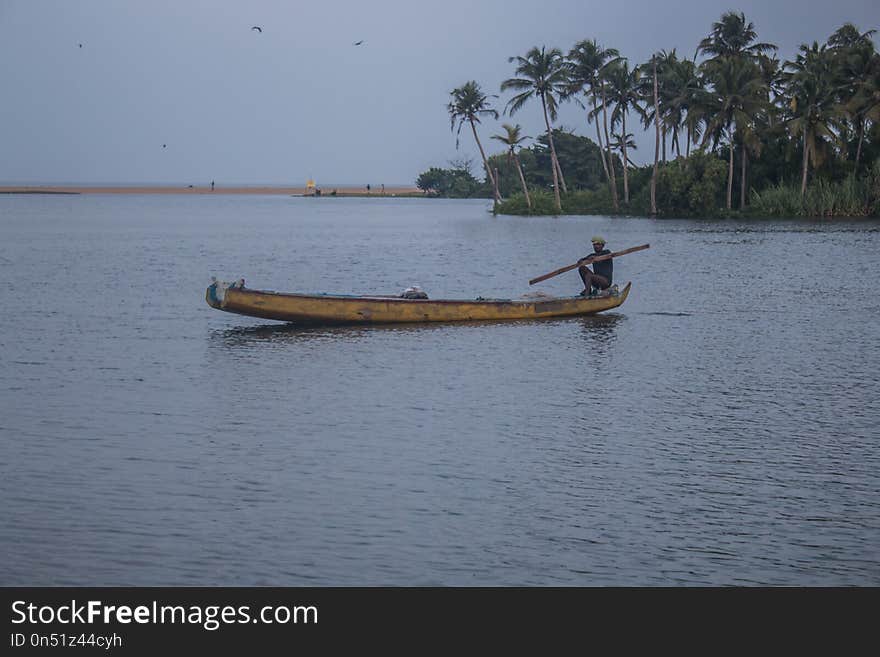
x=299 y=100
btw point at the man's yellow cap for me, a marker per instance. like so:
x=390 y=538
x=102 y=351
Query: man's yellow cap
x=598 y=240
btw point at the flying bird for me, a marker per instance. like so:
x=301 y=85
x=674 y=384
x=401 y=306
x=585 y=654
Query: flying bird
x=257 y=28
x=80 y=45
x=163 y=145
x=357 y=43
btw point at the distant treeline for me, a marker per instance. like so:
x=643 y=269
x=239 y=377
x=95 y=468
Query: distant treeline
x=738 y=132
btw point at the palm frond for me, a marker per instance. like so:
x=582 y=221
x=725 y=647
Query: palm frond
x=516 y=103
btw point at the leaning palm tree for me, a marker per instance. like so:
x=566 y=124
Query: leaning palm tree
x=587 y=60
x=512 y=140
x=542 y=74
x=467 y=105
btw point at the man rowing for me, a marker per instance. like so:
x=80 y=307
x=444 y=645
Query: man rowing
x=602 y=274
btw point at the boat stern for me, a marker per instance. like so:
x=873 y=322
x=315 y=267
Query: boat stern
x=215 y=294
x=211 y=296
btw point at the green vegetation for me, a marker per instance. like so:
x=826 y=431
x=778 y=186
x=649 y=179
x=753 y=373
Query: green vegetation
x=455 y=182
x=851 y=197
x=736 y=133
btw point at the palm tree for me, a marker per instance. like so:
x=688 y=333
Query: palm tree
x=623 y=85
x=693 y=98
x=738 y=96
x=618 y=142
x=771 y=71
x=848 y=36
x=739 y=91
x=542 y=74
x=656 y=98
x=667 y=63
x=587 y=60
x=864 y=103
x=732 y=36
x=513 y=140
x=749 y=140
x=468 y=104
x=691 y=90
x=603 y=107
x=812 y=92
x=857 y=66
x=679 y=87
x=662 y=107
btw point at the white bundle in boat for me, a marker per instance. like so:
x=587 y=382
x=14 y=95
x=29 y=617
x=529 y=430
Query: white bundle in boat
x=414 y=292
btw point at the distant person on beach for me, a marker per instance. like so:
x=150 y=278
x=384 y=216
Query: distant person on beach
x=212 y=185
x=602 y=273
x=368 y=188
x=383 y=189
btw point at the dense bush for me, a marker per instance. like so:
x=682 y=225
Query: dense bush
x=579 y=202
x=450 y=183
x=694 y=187
x=542 y=204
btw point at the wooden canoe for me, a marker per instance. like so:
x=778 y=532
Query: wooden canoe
x=342 y=309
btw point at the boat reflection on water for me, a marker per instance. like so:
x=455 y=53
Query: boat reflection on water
x=599 y=335
x=596 y=327
x=601 y=327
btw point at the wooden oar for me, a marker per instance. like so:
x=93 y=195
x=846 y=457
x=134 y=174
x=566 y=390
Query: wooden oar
x=587 y=261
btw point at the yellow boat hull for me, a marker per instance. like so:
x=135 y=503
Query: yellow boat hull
x=339 y=309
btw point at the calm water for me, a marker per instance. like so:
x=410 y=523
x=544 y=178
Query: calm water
x=721 y=427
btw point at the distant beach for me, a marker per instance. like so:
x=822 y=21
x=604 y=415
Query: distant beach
x=206 y=189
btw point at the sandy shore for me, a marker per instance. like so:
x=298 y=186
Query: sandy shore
x=218 y=189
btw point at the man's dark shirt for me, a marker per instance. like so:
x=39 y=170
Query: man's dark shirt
x=605 y=267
